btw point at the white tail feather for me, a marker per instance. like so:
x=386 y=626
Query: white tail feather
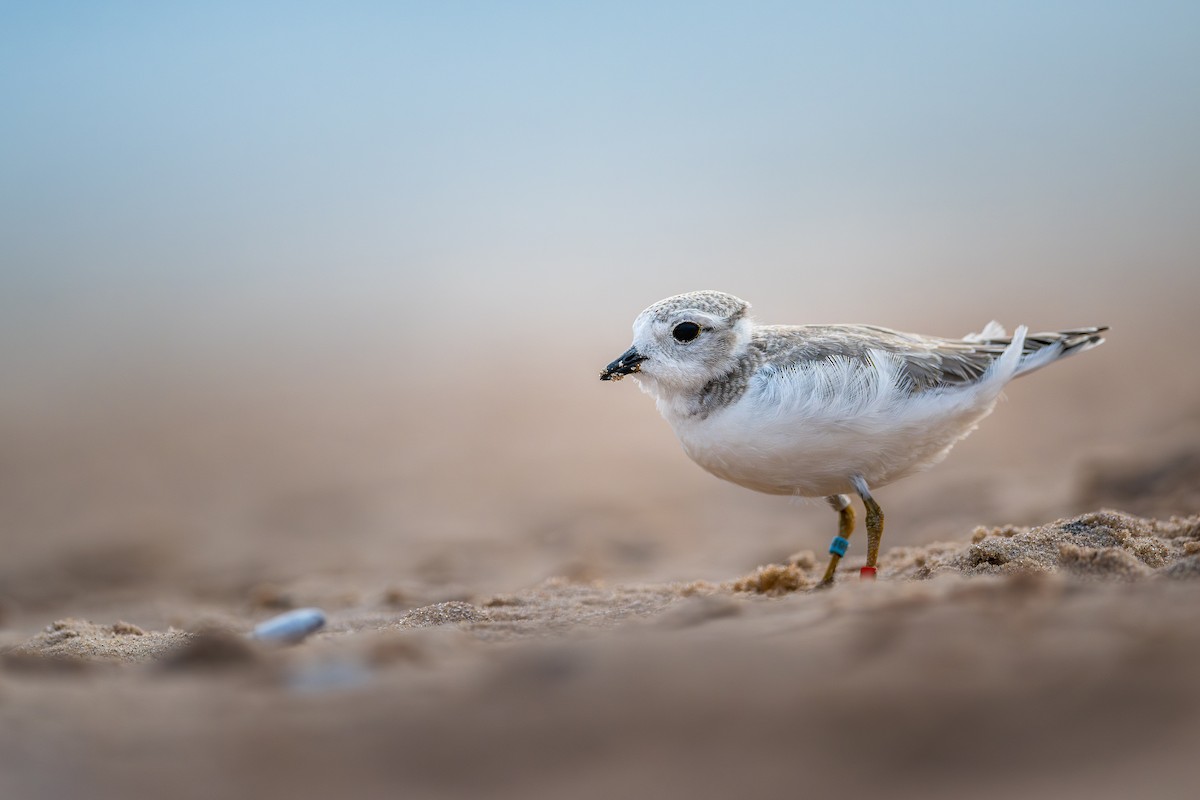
x=993 y=330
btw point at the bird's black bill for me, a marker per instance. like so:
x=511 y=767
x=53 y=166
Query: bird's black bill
x=629 y=362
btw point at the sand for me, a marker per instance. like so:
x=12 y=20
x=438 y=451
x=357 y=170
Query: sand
x=1055 y=659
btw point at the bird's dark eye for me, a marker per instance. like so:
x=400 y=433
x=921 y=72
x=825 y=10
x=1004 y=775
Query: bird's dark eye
x=685 y=331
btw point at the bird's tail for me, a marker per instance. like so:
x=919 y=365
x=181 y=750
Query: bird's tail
x=1040 y=349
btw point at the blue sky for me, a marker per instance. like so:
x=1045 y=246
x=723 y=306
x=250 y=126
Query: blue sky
x=360 y=156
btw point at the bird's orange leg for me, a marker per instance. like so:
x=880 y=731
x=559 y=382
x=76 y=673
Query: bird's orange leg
x=841 y=504
x=874 y=527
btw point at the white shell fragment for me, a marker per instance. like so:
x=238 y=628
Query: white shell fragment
x=290 y=628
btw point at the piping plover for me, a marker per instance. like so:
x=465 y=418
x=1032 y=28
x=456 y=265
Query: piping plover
x=822 y=410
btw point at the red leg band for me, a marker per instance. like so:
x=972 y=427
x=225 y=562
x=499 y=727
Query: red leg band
x=866 y=574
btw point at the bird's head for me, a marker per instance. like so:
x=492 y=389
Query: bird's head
x=683 y=342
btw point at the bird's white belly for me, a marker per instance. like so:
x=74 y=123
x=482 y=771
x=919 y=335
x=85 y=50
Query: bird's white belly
x=803 y=449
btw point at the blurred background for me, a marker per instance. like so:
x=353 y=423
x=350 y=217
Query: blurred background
x=316 y=296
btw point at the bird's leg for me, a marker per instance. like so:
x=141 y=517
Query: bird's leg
x=840 y=504
x=874 y=527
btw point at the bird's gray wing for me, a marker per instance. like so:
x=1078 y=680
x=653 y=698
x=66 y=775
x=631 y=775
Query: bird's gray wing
x=928 y=362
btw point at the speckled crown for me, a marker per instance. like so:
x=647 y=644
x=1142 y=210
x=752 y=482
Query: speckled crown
x=719 y=304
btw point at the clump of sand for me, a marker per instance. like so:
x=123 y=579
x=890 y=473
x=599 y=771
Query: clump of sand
x=1102 y=545
x=80 y=640
x=774 y=580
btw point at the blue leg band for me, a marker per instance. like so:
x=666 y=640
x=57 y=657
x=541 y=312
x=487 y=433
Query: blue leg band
x=839 y=545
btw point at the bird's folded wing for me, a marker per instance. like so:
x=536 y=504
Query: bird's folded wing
x=928 y=362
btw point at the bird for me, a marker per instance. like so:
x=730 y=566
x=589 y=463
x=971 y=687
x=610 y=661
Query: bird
x=823 y=410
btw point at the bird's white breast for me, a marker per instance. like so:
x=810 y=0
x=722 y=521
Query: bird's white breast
x=806 y=430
